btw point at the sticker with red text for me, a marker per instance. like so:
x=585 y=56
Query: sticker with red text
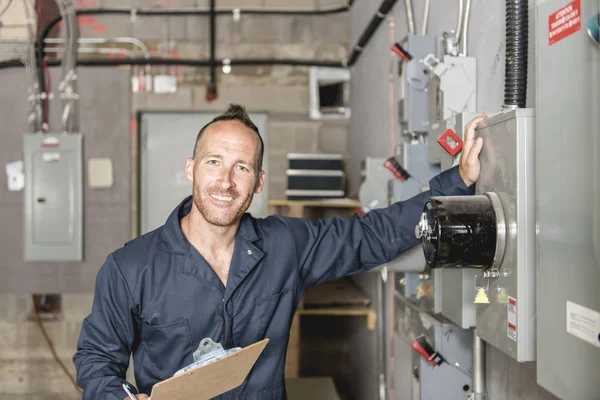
x=511 y=316
x=564 y=22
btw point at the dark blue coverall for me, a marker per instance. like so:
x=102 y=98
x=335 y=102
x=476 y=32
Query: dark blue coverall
x=156 y=297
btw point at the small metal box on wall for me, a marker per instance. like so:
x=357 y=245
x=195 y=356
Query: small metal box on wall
x=53 y=197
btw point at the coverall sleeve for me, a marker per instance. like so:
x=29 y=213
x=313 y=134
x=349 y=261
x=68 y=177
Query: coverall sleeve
x=337 y=247
x=107 y=337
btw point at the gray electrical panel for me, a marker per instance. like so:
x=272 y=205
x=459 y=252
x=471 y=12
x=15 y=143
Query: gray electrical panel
x=53 y=198
x=451 y=380
x=415 y=107
x=507 y=320
x=417 y=285
x=568 y=199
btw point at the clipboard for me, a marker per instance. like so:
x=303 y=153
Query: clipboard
x=213 y=379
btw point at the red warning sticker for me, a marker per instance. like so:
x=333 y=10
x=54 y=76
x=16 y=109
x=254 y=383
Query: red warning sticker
x=564 y=22
x=511 y=316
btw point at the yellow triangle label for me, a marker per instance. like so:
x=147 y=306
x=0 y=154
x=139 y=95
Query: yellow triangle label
x=420 y=291
x=481 y=297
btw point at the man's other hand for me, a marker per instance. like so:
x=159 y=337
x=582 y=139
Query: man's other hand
x=469 y=166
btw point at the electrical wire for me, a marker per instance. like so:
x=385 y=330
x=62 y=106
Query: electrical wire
x=51 y=346
x=35 y=113
x=405 y=55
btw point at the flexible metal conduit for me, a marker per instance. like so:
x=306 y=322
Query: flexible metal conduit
x=515 y=78
x=385 y=7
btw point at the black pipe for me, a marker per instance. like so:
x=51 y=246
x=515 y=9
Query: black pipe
x=184 y=62
x=158 y=13
x=211 y=90
x=515 y=77
x=385 y=7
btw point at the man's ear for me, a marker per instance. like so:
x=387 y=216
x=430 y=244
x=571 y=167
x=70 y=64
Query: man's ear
x=189 y=169
x=260 y=182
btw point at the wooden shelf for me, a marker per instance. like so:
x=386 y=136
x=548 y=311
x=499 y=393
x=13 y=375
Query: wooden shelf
x=345 y=312
x=338 y=298
x=300 y=208
x=333 y=203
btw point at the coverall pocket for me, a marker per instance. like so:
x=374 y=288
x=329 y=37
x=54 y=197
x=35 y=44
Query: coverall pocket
x=275 y=313
x=169 y=347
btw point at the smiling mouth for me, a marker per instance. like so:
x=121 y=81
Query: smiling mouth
x=221 y=198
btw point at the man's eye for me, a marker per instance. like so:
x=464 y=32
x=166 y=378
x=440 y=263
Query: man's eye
x=213 y=162
x=243 y=168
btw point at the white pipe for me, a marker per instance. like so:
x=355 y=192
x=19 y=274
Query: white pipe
x=426 y=17
x=465 y=35
x=410 y=16
x=459 y=21
x=121 y=39
x=479 y=383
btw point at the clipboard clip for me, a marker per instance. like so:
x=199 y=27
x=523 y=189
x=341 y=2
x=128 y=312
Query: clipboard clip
x=208 y=351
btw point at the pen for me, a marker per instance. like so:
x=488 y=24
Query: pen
x=126 y=389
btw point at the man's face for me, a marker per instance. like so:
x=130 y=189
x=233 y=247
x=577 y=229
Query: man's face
x=224 y=172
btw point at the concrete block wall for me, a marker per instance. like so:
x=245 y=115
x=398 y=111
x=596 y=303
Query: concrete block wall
x=27 y=368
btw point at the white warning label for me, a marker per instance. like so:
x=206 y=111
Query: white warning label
x=511 y=318
x=584 y=323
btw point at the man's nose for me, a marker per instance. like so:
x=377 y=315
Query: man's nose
x=226 y=181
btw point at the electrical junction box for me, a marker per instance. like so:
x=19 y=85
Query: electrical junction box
x=455 y=90
x=507 y=321
x=53 y=197
x=451 y=380
x=567 y=103
x=415 y=80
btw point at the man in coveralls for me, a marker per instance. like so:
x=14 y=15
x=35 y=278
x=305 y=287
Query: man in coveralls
x=213 y=270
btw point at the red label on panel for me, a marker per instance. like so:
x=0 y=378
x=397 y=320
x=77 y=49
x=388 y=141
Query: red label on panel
x=564 y=22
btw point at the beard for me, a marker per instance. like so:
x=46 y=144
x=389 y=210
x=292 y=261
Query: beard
x=226 y=215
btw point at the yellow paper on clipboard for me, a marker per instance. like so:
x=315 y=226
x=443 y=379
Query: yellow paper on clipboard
x=213 y=379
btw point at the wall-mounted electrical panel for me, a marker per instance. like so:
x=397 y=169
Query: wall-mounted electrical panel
x=441 y=360
x=415 y=283
x=53 y=197
x=415 y=80
x=493 y=234
x=508 y=169
x=567 y=101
